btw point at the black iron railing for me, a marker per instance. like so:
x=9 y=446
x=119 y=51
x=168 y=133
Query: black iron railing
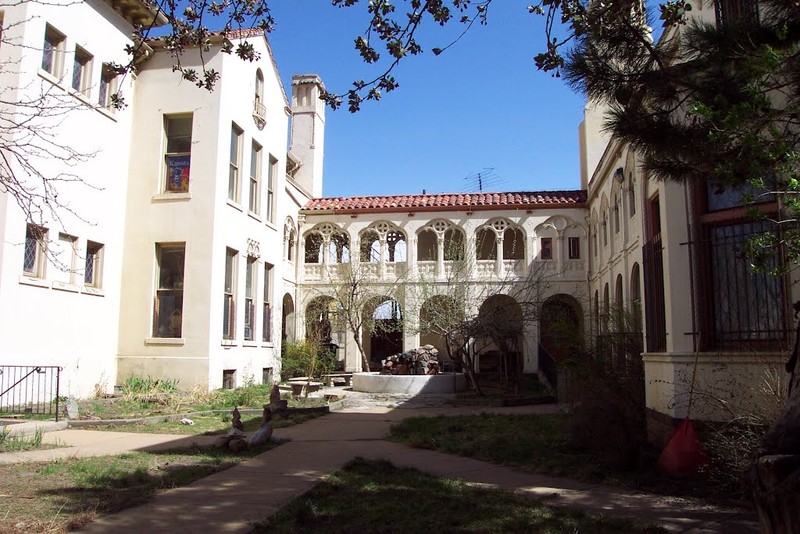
x=30 y=389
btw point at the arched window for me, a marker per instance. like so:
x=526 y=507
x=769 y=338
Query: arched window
x=259 y=110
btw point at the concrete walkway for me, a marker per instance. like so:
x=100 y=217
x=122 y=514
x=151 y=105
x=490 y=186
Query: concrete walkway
x=231 y=500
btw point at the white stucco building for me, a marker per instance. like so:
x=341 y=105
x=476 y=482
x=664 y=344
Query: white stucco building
x=198 y=238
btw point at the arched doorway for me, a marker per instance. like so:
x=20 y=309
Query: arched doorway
x=382 y=333
x=498 y=336
x=560 y=326
x=440 y=316
x=560 y=333
x=287 y=319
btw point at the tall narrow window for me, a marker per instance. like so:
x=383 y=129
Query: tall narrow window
x=266 y=327
x=53 y=52
x=93 y=270
x=547 y=248
x=65 y=256
x=35 y=248
x=82 y=71
x=107 y=88
x=229 y=296
x=235 y=163
x=271 y=177
x=178 y=155
x=255 y=178
x=632 y=199
x=168 y=307
x=616 y=216
x=574 y=244
x=259 y=111
x=250 y=299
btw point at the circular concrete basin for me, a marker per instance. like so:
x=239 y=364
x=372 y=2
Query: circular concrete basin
x=409 y=384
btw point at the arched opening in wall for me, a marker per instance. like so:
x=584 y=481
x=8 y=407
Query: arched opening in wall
x=596 y=312
x=440 y=316
x=291 y=244
x=396 y=247
x=313 y=247
x=498 y=337
x=513 y=244
x=287 y=318
x=382 y=332
x=485 y=244
x=561 y=333
x=324 y=326
x=636 y=299
x=606 y=309
x=426 y=245
x=453 y=245
x=339 y=248
x=370 y=247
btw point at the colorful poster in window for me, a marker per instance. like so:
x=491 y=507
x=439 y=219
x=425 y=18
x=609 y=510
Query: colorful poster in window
x=178 y=173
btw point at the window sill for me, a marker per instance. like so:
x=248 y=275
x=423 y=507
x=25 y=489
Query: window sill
x=66 y=286
x=235 y=205
x=254 y=215
x=271 y=224
x=96 y=291
x=80 y=96
x=175 y=341
x=50 y=78
x=172 y=197
x=108 y=112
x=268 y=344
x=249 y=343
x=33 y=281
x=228 y=343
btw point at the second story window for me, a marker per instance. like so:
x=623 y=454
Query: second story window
x=107 y=88
x=271 y=177
x=178 y=153
x=33 y=263
x=733 y=13
x=547 y=248
x=53 y=52
x=82 y=71
x=93 y=269
x=574 y=244
x=235 y=163
x=255 y=178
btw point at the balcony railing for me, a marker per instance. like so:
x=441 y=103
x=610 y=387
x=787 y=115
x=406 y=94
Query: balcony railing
x=259 y=114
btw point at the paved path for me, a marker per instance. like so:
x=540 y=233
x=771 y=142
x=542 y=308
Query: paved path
x=231 y=500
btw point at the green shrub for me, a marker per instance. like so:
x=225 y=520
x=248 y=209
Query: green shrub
x=304 y=358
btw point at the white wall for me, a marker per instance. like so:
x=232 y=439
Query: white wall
x=43 y=322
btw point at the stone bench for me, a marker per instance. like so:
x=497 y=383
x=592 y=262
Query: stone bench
x=329 y=379
x=301 y=388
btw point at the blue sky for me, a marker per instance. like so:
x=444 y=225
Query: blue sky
x=480 y=105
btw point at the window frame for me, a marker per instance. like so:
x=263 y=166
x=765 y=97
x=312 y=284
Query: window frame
x=94 y=256
x=173 y=328
x=177 y=182
x=546 y=248
x=250 y=288
x=53 y=45
x=35 y=236
x=266 y=318
x=229 y=294
x=82 y=66
x=272 y=173
x=67 y=265
x=107 y=87
x=574 y=248
x=235 y=164
x=254 y=200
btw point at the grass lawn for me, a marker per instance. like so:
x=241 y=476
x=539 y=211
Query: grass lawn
x=535 y=443
x=376 y=497
x=161 y=400
x=67 y=494
x=207 y=424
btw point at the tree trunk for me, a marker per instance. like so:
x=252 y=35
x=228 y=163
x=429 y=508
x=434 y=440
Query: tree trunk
x=775 y=473
x=364 y=361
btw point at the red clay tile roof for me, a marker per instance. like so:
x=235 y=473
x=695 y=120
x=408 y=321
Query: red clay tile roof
x=449 y=202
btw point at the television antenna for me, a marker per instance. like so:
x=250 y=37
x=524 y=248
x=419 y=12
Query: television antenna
x=485 y=179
